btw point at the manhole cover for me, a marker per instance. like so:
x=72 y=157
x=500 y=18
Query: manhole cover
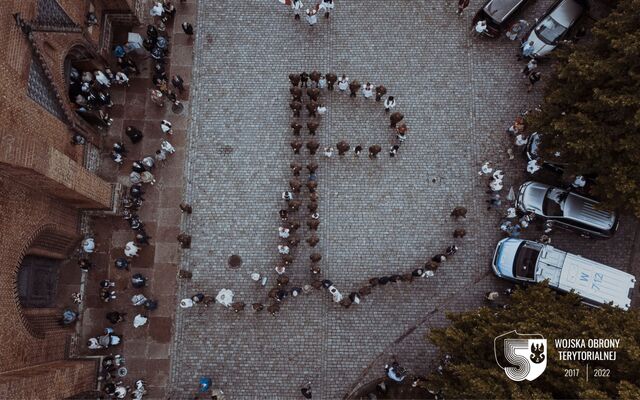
x=177 y=108
x=235 y=261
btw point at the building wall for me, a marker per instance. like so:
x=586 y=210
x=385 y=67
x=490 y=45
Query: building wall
x=43 y=187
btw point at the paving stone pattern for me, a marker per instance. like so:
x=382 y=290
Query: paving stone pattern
x=458 y=94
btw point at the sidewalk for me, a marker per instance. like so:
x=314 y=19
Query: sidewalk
x=145 y=349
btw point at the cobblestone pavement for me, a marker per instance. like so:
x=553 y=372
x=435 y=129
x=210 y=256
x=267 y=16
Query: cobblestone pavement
x=458 y=94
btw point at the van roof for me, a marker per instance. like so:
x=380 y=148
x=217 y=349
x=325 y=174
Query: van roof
x=596 y=282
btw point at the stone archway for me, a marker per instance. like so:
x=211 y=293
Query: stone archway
x=36 y=279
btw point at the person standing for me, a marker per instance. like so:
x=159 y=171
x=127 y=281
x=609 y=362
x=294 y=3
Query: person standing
x=459 y=233
x=296 y=145
x=177 y=82
x=380 y=91
x=315 y=77
x=304 y=78
x=343 y=83
x=313 y=93
x=389 y=103
x=294 y=79
x=374 y=150
x=312 y=146
x=322 y=109
x=357 y=150
x=533 y=78
x=296 y=167
x=296 y=106
x=322 y=82
x=367 y=90
x=531 y=65
x=313 y=126
x=296 y=6
x=459 y=211
x=296 y=93
x=326 y=6
x=527 y=49
x=462 y=4
x=401 y=132
x=394 y=150
x=296 y=128
x=306 y=391
x=134 y=134
x=395 y=118
x=353 y=88
x=312 y=16
x=187 y=28
x=312 y=107
x=186 y=208
x=331 y=80
x=342 y=147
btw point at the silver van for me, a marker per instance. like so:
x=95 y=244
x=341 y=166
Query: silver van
x=567 y=210
x=525 y=261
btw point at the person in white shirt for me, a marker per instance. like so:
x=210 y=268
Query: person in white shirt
x=296 y=6
x=367 y=90
x=322 y=82
x=481 y=27
x=322 y=109
x=166 y=146
x=326 y=6
x=122 y=79
x=389 y=103
x=157 y=10
x=166 y=127
x=102 y=78
x=343 y=83
x=312 y=16
x=88 y=245
x=283 y=233
x=521 y=139
x=131 y=250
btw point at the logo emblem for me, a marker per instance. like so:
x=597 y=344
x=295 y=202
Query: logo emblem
x=521 y=356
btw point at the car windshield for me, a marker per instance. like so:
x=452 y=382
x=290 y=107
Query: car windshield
x=525 y=263
x=550 y=30
x=553 y=204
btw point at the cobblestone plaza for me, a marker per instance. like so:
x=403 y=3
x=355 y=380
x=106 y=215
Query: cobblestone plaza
x=458 y=94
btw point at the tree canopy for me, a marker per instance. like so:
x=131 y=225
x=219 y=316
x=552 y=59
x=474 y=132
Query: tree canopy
x=473 y=373
x=591 y=109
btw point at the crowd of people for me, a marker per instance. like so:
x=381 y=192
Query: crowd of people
x=90 y=95
x=305 y=93
x=89 y=90
x=311 y=14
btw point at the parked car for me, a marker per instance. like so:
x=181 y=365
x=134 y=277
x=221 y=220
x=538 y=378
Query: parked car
x=554 y=25
x=567 y=210
x=497 y=13
x=525 y=261
x=532 y=152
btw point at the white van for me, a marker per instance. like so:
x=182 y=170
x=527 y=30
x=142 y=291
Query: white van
x=525 y=261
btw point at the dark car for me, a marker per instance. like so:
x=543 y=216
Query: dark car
x=532 y=151
x=497 y=13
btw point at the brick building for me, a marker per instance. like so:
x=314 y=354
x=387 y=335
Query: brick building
x=45 y=180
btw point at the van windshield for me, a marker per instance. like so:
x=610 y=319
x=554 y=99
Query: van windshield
x=525 y=264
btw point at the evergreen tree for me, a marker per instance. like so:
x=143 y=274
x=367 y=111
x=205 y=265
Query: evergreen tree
x=472 y=371
x=591 y=110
